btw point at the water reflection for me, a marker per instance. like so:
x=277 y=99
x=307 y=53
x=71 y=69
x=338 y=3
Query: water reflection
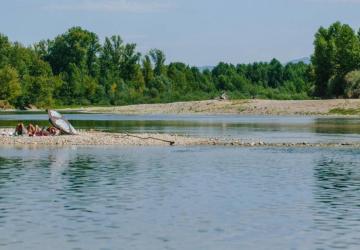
x=179 y=198
x=337 y=125
x=337 y=213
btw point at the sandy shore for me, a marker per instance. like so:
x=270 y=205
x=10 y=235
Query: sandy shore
x=89 y=138
x=248 y=107
x=97 y=138
x=333 y=107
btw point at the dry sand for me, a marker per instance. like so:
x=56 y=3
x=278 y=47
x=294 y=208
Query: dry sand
x=248 y=107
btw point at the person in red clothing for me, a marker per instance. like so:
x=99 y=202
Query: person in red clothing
x=35 y=130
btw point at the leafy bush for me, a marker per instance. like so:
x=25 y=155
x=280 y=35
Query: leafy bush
x=352 y=84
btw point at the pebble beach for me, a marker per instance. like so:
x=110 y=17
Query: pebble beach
x=89 y=138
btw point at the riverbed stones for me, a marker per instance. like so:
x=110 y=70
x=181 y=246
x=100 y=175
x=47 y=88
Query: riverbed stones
x=104 y=138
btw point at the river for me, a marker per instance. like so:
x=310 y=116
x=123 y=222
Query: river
x=184 y=197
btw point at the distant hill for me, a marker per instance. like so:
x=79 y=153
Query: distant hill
x=305 y=60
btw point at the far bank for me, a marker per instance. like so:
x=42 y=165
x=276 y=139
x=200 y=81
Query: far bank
x=247 y=107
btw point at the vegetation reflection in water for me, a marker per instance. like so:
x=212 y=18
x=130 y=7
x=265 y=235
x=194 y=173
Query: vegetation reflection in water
x=179 y=198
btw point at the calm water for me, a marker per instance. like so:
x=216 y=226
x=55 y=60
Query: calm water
x=179 y=198
x=184 y=198
x=264 y=128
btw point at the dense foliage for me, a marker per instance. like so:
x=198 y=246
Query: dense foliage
x=75 y=69
x=337 y=54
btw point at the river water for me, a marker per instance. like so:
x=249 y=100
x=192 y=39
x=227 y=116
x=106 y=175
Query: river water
x=248 y=128
x=185 y=197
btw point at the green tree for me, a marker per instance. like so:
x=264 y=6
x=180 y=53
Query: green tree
x=159 y=59
x=177 y=73
x=347 y=56
x=352 y=84
x=74 y=68
x=111 y=55
x=78 y=87
x=74 y=56
x=10 y=87
x=324 y=60
x=42 y=48
x=119 y=59
x=5 y=47
x=77 y=46
x=275 y=74
x=147 y=69
x=337 y=52
x=111 y=58
x=39 y=90
x=129 y=64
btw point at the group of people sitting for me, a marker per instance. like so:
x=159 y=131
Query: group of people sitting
x=35 y=130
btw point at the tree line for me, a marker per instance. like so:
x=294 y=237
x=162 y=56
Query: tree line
x=74 y=68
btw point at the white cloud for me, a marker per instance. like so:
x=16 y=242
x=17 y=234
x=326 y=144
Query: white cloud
x=130 y=6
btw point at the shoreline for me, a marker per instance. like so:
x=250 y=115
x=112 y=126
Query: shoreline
x=97 y=138
x=332 y=107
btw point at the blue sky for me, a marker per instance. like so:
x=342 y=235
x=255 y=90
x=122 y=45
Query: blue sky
x=197 y=32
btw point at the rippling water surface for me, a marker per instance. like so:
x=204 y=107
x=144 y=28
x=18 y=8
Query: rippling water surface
x=179 y=198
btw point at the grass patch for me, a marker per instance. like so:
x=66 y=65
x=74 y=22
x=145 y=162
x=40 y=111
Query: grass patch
x=341 y=111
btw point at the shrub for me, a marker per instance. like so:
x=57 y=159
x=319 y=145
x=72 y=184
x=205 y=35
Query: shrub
x=352 y=84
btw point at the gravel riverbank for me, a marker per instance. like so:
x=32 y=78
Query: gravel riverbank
x=245 y=107
x=103 y=138
x=333 y=107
